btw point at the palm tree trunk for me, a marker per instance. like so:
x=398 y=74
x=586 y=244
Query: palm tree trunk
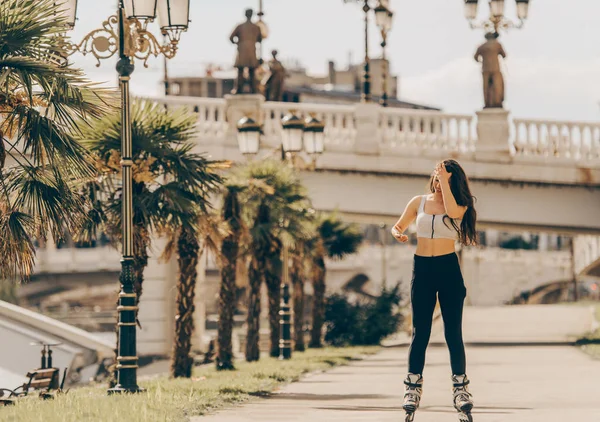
x=318 y=279
x=255 y=276
x=261 y=249
x=273 y=281
x=229 y=256
x=297 y=278
x=188 y=248
x=140 y=262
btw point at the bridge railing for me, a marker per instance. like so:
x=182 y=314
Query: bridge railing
x=566 y=139
x=211 y=112
x=410 y=132
x=51 y=260
x=396 y=129
x=403 y=130
x=586 y=253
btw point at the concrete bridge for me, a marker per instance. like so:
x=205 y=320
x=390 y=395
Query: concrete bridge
x=527 y=175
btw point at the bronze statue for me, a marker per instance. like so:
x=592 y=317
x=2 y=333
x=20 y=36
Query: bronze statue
x=246 y=36
x=493 y=81
x=274 y=85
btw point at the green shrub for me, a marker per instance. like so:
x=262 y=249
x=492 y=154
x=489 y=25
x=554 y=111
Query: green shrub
x=365 y=322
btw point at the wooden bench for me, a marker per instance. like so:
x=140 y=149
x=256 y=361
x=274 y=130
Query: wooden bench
x=45 y=380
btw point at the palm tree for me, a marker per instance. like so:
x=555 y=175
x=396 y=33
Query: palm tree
x=275 y=214
x=168 y=177
x=43 y=99
x=171 y=186
x=230 y=252
x=335 y=240
x=190 y=239
x=297 y=276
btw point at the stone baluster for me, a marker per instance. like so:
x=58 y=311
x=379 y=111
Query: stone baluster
x=596 y=142
x=585 y=143
x=437 y=132
x=331 y=127
x=423 y=132
x=574 y=147
x=533 y=139
x=471 y=139
x=406 y=140
x=453 y=125
x=519 y=141
x=222 y=118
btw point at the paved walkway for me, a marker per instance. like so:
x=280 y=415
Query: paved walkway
x=511 y=381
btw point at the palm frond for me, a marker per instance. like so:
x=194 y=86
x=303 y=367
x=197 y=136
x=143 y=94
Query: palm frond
x=17 y=252
x=43 y=194
x=43 y=99
x=339 y=238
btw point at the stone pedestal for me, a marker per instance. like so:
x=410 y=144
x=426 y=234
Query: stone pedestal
x=493 y=134
x=239 y=106
x=367 y=129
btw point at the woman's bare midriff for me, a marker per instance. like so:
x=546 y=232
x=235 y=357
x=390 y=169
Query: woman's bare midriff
x=434 y=247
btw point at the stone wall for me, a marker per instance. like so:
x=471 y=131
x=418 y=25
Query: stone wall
x=493 y=276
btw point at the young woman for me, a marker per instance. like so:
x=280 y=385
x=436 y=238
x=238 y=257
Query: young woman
x=444 y=216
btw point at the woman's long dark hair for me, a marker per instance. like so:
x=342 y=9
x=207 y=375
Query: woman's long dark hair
x=459 y=185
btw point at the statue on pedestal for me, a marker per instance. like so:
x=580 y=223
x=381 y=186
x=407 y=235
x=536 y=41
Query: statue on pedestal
x=274 y=85
x=246 y=36
x=493 y=81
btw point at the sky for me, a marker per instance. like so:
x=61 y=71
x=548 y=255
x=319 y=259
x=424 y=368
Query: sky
x=552 y=70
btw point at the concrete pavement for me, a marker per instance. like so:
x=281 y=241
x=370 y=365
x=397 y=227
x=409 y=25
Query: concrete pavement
x=510 y=379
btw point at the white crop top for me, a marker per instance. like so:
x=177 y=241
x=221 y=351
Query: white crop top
x=437 y=226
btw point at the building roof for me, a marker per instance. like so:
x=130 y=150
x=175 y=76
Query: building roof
x=354 y=97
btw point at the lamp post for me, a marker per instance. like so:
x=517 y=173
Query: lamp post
x=296 y=135
x=496 y=19
x=264 y=29
x=380 y=10
x=384 y=19
x=126 y=34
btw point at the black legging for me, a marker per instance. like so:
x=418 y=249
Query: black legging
x=437 y=276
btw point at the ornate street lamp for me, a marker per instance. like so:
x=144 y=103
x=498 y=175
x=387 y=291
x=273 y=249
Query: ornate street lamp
x=384 y=19
x=126 y=34
x=296 y=133
x=291 y=135
x=471 y=9
x=314 y=136
x=248 y=136
x=497 y=19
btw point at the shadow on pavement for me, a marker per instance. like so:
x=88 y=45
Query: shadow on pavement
x=328 y=397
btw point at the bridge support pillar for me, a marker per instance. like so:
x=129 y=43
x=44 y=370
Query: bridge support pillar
x=239 y=106
x=367 y=129
x=493 y=134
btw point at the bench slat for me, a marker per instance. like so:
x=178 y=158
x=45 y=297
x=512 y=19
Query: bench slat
x=40 y=383
x=42 y=373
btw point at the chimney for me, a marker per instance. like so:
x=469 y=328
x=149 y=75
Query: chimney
x=332 y=72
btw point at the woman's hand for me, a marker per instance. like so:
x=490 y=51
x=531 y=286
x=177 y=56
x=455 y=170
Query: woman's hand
x=442 y=173
x=399 y=236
